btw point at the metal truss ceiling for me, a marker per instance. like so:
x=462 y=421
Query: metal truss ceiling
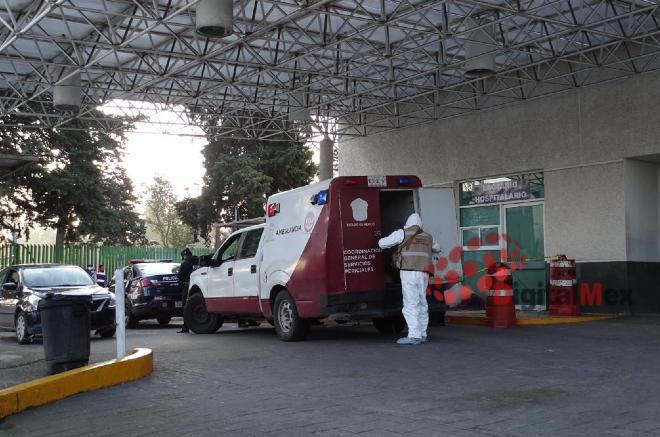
x=368 y=65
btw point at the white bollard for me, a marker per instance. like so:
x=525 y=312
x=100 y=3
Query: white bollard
x=120 y=310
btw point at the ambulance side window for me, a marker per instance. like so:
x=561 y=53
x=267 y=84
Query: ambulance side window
x=228 y=250
x=250 y=244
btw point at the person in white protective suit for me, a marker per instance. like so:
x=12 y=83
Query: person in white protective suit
x=415 y=263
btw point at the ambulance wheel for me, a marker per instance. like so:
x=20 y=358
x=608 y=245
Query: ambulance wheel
x=288 y=325
x=389 y=325
x=198 y=319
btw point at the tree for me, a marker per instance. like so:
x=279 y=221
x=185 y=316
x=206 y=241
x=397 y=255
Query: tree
x=241 y=174
x=79 y=187
x=162 y=217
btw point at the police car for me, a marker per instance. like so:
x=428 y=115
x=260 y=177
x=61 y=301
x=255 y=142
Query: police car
x=152 y=291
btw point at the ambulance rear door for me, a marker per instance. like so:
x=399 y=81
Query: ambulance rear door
x=361 y=229
x=438 y=209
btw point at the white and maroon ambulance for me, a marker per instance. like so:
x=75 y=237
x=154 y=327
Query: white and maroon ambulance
x=317 y=257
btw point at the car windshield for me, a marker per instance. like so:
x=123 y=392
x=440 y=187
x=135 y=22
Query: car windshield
x=66 y=276
x=152 y=269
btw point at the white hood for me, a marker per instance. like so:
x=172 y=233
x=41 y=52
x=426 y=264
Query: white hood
x=413 y=220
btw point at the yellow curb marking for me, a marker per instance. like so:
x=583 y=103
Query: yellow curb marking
x=93 y=377
x=559 y=320
x=480 y=320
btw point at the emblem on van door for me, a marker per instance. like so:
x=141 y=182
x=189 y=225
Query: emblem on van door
x=360 y=209
x=309 y=222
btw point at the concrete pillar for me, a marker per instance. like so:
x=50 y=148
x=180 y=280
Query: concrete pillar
x=326 y=164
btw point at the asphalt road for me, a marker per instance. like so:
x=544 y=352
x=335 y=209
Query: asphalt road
x=600 y=379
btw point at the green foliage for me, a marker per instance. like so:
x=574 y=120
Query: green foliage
x=79 y=187
x=241 y=174
x=162 y=217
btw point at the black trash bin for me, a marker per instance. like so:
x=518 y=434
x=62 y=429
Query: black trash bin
x=66 y=325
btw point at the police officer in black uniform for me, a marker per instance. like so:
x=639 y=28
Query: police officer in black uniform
x=185 y=270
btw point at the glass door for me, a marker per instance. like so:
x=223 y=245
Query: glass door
x=525 y=252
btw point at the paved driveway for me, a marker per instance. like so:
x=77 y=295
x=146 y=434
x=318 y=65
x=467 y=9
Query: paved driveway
x=601 y=378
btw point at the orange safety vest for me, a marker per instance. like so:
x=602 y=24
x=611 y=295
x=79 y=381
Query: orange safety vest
x=416 y=250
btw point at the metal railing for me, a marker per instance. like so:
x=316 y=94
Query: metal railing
x=112 y=257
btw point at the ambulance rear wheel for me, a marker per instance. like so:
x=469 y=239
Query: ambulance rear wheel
x=288 y=325
x=389 y=325
x=198 y=319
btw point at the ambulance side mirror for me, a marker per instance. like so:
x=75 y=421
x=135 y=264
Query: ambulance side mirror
x=205 y=261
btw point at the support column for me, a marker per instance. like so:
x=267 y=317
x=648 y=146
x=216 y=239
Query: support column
x=326 y=163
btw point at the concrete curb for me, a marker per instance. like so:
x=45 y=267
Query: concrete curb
x=480 y=320
x=561 y=320
x=93 y=377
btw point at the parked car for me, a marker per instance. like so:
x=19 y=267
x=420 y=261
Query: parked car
x=24 y=285
x=152 y=291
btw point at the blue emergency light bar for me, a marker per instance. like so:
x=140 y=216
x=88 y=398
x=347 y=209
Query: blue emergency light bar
x=404 y=181
x=320 y=198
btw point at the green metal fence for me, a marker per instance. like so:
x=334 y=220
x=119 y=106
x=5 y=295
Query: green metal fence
x=112 y=257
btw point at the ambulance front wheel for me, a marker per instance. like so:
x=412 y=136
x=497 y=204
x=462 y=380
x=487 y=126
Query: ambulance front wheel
x=198 y=319
x=288 y=325
x=389 y=325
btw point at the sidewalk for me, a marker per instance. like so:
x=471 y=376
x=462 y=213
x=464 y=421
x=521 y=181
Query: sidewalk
x=24 y=362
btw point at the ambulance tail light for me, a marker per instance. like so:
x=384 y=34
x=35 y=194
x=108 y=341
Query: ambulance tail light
x=351 y=181
x=404 y=181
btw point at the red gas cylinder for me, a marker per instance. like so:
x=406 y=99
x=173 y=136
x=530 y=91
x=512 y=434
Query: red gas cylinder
x=500 y=305
x=563 y=289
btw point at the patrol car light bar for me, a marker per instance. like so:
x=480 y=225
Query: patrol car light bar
x=144 y=261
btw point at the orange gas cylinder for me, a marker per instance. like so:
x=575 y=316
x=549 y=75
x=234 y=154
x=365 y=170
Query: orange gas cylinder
x=563 y=289
x=500 y=305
